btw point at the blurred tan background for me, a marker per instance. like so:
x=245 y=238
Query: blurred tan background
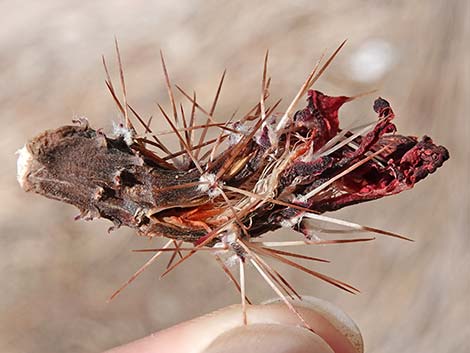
x=56 y=274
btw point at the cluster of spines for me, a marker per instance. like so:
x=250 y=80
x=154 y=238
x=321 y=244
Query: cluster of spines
x=244 y=248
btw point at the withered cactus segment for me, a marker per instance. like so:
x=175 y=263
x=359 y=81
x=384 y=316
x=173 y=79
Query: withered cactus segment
x=125 y=182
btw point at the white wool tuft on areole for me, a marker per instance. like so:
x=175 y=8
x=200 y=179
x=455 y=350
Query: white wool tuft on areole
x=210 y=185
x=22 y=165
x=119 y=130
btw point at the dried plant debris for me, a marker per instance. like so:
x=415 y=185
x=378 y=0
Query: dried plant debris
x=263 y=172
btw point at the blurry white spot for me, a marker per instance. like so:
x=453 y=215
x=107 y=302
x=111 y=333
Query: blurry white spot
x=210 y=185
x=228 y=238
x=242 y=130
x=372 y=60
x=291 y=222
x=208 y=180
x=127 y=135
x=232 y=261
x=22 y=165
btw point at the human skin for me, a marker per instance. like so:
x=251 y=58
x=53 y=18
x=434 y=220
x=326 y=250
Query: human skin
x=271 y=328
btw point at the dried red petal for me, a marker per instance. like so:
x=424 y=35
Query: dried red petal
x=320 y=116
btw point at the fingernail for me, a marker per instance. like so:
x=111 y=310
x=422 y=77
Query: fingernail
x=269 y=338
x=334 y=315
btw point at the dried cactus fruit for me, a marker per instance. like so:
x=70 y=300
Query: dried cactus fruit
x=263 y=172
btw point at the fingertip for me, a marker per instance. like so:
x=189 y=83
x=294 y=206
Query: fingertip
x=334 y=315
x=271 y=328
x=326 y=320
x=272 y=338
